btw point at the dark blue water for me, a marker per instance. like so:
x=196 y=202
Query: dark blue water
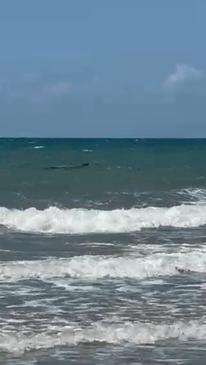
x=102 y=251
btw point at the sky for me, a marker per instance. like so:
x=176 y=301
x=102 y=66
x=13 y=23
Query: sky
x=103 y=68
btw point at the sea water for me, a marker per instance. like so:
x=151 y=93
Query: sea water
x=102 y=251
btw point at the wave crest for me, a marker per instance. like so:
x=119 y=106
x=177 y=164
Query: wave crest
x=79 y=221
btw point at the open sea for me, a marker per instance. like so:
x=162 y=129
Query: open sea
x=102 y=251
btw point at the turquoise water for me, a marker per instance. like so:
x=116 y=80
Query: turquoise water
x=115 y=166
x=102 y=251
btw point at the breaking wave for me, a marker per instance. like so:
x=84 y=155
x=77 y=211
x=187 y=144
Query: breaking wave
x=97 y=267
x=79 y=221
x=112 y=333
x=38 y=147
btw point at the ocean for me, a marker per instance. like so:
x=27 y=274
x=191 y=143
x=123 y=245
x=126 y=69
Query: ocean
x=102 y=251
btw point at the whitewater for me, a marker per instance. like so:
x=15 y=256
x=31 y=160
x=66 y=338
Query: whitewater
x=97 y=267
x=55 y=220
x=135 y=333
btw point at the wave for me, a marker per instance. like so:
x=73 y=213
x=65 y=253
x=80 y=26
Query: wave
x=97 y=267
x=112 y=333
x=79 y=221
x=38 y=147
x=194 y=194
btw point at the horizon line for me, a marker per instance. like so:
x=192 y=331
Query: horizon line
x=92 y=138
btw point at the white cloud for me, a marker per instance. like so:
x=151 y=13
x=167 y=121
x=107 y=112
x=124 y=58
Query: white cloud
x=182 y=75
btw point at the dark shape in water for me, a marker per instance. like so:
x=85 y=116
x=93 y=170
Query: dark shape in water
x=66 y=167
x=182 y=271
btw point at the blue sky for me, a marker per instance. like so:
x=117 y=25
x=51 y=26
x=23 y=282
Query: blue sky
x=103 y=68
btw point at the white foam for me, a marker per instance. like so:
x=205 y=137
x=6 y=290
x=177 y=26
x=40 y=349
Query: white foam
x=196 y=194
x=97 y=267
x=55 y=220
x=112 y=333
x=38 y=147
